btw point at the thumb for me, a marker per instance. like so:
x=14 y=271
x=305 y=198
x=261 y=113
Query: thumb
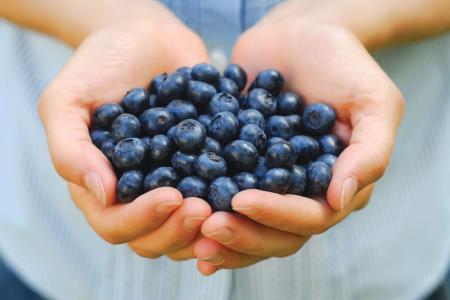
x=74 y=156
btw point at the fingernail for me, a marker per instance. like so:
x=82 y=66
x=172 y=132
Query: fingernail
x=191 y=223
x=94 y=184
x=249 y=211
x=348 y=191
x=216 y=259
x=223 y=235
x=164 y=208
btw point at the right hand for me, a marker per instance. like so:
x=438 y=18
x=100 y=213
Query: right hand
x=110 y=61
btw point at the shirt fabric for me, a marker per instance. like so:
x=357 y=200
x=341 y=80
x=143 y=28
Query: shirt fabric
x=398 y=247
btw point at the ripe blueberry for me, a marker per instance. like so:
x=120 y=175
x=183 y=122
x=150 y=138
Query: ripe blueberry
x=107 y=148
x=318 y=118
x=182 y=110
x=237 y=74
x=211 y=145
x=226 y=85
x=246 y=181
x=319 y=177
x=274 y=140
x=125 y=126
x=129 y=186
x=224 y=127
x=298 y=184
x=279 y=126
x=135 y=101
x=223 y=102
x=306 y=147
x=210 y=166
x=185 y=71
x=220 y=193
x=183 y=163
x=173 y=87
x=162 y=176
x=328 y=159
x=205 y=72
x=277 y=180
x=193 y=186
x=288 y=103
x=270 y=80
x=200 y=93
x=262 y=101
x=159 y=148
x=241 y=155
x=155 y=84
x=330 y=144
x=205 y=120
x=280 y=155
x=189 y=135
x=255 y=135
x=295 y=122
x=251 y=116
x=105 y=114
x=99 y=136
x=129 y=154
x=156 y=121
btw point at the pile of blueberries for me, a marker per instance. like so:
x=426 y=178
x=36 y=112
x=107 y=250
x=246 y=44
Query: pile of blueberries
x=194 y=130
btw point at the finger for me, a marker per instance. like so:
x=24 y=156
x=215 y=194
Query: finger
x=246 y=236
x=121 y=223
x=211 y=252
x=206 y=268
x=177 y=232
x=291 y=213
x=186 y=252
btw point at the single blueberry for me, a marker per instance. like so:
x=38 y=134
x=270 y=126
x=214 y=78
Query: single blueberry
x=328 y=159
x=185 y=71
x=159 y=148
x=155 y=84
x=270 y=80
x=107 y=148
x=183 y=163
x=129 y=154
x=274 y=140
x=262 y=101
x=205 y=72
x=210 y=165
x=280 y=155
x=261 y=169
x=129 y=186
x=330 y=144
x=237 y=74
x=251 y=116
x=153 y=101
x=135 y=101
x=226 y=85
x=295 y=122
x=162 y=176
x=277 y=180
x=299 y=179
x=211 y=145
x=318 y=119
x=279 y=126
x=156 y=121
x=319 y=177
x=246 y=181
x=255 y=135
x=241 y=156
x=220 y=193
x=182 y=110
x=205 y=120
x=173 y=87
x=223 y=102
x=306 y=148
x=288 y=103
x=189 y=135
x=105 y=115
x=193 y=186
x=99 y=136
x=224 y=127
x=200 y=93
x=125 y=126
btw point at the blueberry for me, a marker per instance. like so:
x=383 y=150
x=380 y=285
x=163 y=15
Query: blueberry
x=328 y=159
x=237 y=74
x=170 y=133
x=183 y=163
x=318 y=119
x=105 y=115
x=241 y=155
x=125 y=126
x=200 y=93
x=153 y=101
x=129 y=186
x=211 y=145
x=99 y=136
x=129 y=154
x=185 y=72
x=261 y=169
x=306 y=147
x=251 y=116
x=107 y=148
x=295 y=121
x=319 y=177
x=156 y=121
x=193 y=186
x=298 y=184
x=220 y=193
x=223 y=102
x=205 y=120
x=270 y=80
x=255 y=135
x=135 y=101
x=226 y=85
x=205 y=72
x=209 y=166
x=288 y=103
x=330 y=144
x=279 y=126
x=262 y=101
x=274 y=140
x=277 y=180
x=162 y=176
x=155 y=84
x=173 y=87
x=159 y=148
x=280 y=155
x=189 y=135
x=182 y=110
x=224 y=127
x=246 y=181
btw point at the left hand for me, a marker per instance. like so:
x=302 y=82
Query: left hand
x=325 y=63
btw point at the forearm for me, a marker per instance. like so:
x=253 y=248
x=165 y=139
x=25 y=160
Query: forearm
x=377 y=23
x=72 y=20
